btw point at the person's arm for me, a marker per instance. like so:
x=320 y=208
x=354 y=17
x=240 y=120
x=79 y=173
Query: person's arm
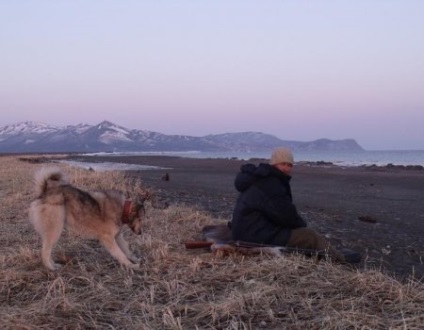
x=280 y=209
x=284 y=213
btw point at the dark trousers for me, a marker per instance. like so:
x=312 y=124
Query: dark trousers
x=306 y=238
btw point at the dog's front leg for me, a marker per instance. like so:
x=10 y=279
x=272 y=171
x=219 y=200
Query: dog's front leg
x=123 y=244
x=115 y=251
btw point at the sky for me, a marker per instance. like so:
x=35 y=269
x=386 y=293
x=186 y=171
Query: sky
x=299 y=70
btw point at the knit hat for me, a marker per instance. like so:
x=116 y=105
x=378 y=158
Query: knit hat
x=281 y=155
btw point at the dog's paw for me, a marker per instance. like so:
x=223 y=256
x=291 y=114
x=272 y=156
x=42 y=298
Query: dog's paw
x=131 y=266
x=54 y=266
x=135 y=260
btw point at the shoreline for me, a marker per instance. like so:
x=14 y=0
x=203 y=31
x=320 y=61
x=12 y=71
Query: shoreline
x=402 y=159
x=100 y=158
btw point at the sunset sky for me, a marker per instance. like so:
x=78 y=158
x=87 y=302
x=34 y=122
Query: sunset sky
x=300 y=70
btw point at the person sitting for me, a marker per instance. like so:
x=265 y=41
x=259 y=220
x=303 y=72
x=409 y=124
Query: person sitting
x=264 y=212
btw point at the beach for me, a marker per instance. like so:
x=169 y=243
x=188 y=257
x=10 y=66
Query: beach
x=378 y=211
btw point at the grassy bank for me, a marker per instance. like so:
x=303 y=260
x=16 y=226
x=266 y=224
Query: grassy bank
x=175 y=288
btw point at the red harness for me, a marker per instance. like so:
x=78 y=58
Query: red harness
x=126 y=212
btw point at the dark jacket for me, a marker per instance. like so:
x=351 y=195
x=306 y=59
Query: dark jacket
x=264 y=211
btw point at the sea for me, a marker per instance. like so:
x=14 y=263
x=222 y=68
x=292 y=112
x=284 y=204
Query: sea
x=340 y=158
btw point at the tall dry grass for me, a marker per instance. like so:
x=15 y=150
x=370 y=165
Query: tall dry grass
x=175 y=288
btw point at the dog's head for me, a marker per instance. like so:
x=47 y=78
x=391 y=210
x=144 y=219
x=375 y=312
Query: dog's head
x=136 y=214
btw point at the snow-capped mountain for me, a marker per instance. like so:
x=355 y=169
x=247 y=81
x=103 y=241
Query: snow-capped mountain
x=28 y=127
x=33 y=137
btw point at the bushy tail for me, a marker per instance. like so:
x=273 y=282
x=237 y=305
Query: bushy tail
x=48 y=177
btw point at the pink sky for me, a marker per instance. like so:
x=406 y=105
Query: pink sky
x=300 y=70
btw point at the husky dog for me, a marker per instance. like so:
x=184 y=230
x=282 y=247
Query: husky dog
x=94 y=214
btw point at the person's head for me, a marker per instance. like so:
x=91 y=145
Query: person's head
x=282 y=159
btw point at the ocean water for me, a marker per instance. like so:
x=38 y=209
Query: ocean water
x=109 y=166
x=340 y=158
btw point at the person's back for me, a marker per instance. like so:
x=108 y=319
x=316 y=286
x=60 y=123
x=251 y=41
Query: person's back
x=265 y=213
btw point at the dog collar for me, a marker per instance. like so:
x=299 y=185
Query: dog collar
x=126 y=212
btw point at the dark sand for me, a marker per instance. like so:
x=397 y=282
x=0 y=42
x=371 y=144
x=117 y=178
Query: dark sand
x=377 y=211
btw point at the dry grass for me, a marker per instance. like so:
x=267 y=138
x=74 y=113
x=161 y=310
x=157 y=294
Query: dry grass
x=175 y=288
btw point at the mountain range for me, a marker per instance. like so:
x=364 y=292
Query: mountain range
x=34 y=137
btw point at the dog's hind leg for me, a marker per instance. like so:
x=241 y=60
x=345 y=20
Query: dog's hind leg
x=115 y=251
x=51 y=236
x=123 y=244
x=49 y=221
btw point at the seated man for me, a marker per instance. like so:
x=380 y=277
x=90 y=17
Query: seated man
x=265 y=213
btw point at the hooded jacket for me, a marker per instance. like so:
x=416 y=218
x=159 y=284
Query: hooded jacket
x=264 y=211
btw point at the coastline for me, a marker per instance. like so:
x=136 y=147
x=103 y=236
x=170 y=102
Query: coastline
x=339 y=158
x=375 y=210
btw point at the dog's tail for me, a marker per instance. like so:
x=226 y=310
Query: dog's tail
x=48 y=177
